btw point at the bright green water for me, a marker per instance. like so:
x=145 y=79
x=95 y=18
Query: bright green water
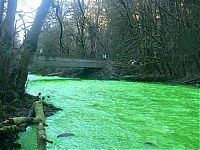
x=118 y=115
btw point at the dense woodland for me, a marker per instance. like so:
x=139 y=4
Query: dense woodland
x=145 y=37
x=139 y=37
x=159 y=37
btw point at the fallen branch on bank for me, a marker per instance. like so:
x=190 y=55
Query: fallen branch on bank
x=18 y=121
x=193 y=80
x=9 y=135
x=56 y=73
x=12 y=126
x=9 y=130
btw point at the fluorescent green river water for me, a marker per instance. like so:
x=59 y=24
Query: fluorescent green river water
x=117 y=115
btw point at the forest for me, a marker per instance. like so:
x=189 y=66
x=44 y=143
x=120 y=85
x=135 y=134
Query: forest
x=143 y=40
x=158 y=38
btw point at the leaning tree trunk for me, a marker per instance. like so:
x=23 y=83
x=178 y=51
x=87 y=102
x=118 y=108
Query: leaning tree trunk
x=30 y=47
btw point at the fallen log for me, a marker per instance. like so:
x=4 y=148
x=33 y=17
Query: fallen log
x=9 y=130
x=39 y=112
x=22 y=120
x=30 y=115
x=12 y=126
x=18 y=120
x=40 y=119
x=56 y=73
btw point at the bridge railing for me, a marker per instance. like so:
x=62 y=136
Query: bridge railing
x=52 y=55
x=63 y=62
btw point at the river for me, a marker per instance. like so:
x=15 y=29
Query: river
x=117 y=115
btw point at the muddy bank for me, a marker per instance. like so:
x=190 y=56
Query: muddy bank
x=189 y=80
x=20 y=108
x=113 y=71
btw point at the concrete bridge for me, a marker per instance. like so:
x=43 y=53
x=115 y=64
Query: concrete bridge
x=60 y=62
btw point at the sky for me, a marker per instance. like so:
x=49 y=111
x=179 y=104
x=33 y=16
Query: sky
x=27 y=5
x=27 y=9
x=24 y=7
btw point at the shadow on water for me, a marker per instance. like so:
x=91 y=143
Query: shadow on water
x=52 y=79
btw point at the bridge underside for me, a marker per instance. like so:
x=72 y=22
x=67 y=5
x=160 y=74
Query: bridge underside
x=57 y=62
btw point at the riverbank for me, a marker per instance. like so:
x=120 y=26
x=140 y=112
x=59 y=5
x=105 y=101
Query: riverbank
x=189 y=80
x=114 y=73
x=21 y=108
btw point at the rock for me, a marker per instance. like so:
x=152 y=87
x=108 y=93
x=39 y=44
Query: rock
x=17 y=145
x=65 y=135
x=148 y=144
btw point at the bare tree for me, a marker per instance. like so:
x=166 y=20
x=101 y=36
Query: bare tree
x=13 y=76
x=6 y=46
x=30 y=45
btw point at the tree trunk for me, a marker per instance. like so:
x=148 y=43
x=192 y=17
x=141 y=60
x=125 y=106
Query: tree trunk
x=30 y=47
x=7 y=38
x=1 y=11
